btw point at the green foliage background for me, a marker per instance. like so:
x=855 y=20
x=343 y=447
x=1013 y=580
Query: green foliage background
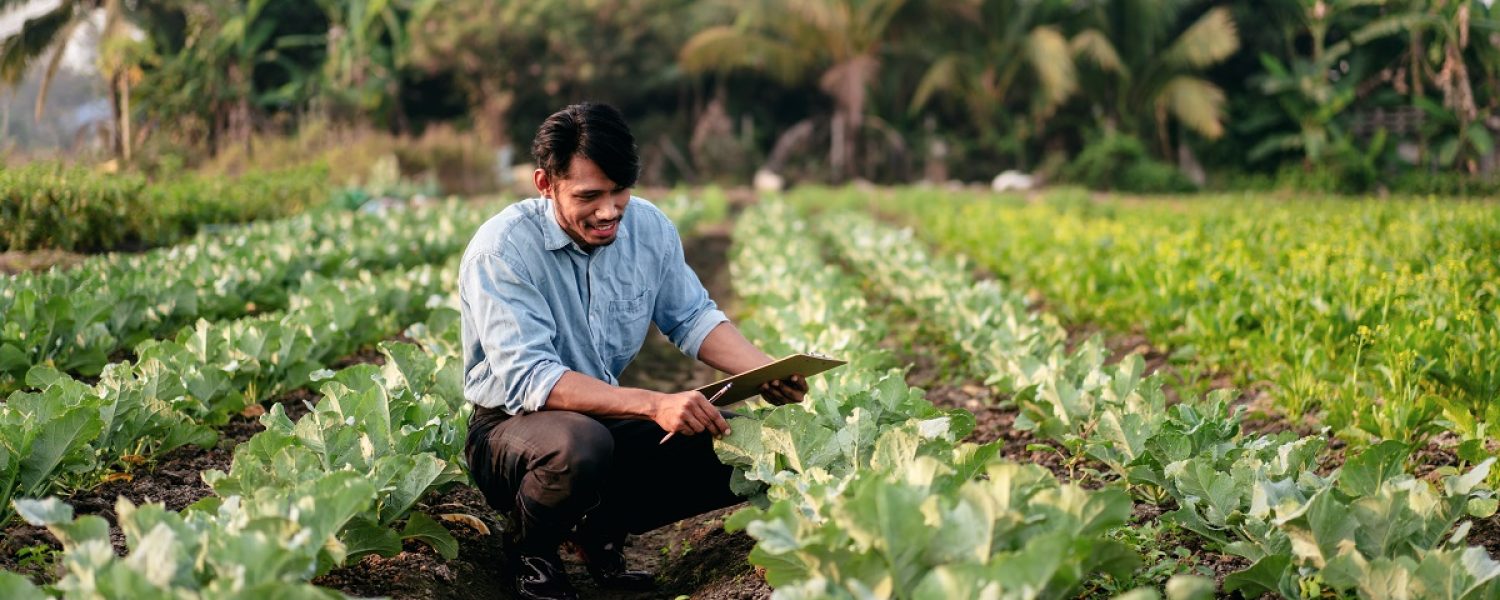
x=1341 y=95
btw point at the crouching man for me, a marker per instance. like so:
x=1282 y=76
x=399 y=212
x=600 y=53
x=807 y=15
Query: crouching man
x=557 y=296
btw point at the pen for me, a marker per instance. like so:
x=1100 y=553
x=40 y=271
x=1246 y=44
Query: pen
x=710 y=401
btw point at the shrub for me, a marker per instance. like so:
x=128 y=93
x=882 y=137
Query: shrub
x=1120 y=162
x=50 y=206
x=69 y=208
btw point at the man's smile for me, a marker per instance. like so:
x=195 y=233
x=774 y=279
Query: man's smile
x=604 y=229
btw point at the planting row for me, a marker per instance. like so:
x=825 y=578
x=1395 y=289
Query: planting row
x=1361 y=529
x=864 y=490
x=1381 y=318
x=65 y=432
x=299 y=499
x=76 y=319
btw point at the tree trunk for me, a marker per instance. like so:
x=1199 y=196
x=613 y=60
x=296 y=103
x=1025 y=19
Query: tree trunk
x=836 y=147
x=491 y=109
x=125 y=140
x=116 y=146
x=246 y=130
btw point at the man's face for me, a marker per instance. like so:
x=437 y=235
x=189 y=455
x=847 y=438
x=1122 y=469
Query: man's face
x=589 y=205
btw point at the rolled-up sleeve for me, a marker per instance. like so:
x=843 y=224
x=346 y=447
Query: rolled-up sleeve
x=683 y=311
x=518 y=364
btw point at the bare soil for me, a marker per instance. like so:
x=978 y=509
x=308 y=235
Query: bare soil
x=15 y=261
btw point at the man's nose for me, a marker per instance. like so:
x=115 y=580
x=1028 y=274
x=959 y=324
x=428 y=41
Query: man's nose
x=609 y=212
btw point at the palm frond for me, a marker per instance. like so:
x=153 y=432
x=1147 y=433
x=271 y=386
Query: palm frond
x=45 y=85
x=1094 y=45
x=873 y=18
x=1052 y=62
x=1195 y=102
x=36 y=35
x=942 y=75
x=1209 y=40
x=826 y=16
x=723 y=48
x=1391 y=25
x=1277 y=143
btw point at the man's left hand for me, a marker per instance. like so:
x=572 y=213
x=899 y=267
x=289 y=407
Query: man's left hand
x=784 y=391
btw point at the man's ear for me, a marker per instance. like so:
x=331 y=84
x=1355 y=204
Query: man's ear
x=542 y=182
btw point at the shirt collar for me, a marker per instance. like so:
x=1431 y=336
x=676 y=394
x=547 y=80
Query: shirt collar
x=554 y=238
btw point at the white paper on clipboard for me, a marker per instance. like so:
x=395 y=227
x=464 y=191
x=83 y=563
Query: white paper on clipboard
x=747 y=384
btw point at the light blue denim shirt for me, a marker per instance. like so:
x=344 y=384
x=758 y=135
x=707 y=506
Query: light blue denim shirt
x=535 y=305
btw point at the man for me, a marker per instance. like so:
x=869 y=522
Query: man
x=557 y=293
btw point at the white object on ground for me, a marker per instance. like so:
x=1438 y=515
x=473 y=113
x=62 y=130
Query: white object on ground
x=1012 y=181
x=767 y=181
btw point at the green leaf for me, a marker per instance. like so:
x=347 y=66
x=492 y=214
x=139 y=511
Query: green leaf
x=960 y=580
x=16 y=587
x=44 y=512
x=1367 y=471
x=411 y=367
x=1456 y=573
x=424 y=529
x=404 y=480
x=1269 y=575
x=363 y=536
x=1472 y=451
x=1190 y=587
x=1480 y=138
x=13 y=360
x=58 y=441
x=1469 y=482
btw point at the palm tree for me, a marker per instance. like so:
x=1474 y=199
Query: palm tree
x=839 y=40
x=1023 y=56
x=1158 y=72
x=368 y=45
x=49 y=34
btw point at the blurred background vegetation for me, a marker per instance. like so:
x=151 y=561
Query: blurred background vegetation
x=1350 y=96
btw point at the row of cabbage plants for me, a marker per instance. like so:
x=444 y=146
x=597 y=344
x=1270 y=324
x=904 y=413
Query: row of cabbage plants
x=1369 y=529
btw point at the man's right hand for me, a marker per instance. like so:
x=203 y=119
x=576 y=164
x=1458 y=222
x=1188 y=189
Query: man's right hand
x=688 y=413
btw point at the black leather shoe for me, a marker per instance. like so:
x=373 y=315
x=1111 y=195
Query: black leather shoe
x=541 y=577
x=605 y=562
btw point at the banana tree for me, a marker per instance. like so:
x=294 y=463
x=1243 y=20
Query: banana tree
x=369 y=42
x=1159 y=77
x=1315 y=89
x=838 y=40
x=1024 y=59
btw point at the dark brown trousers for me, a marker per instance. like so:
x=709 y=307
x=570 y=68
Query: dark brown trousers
x=552 y=471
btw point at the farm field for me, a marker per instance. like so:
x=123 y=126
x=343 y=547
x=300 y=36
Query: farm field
x=1046 y=398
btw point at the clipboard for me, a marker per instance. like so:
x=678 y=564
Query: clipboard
x=747 y=384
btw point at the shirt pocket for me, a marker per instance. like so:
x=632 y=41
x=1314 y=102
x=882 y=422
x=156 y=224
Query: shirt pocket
x=627 y=324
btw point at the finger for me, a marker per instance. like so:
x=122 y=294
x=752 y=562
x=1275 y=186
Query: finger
x=771 y=394
x=713 y=421
x=767 y=392
x=791 y=389
x=691 y=422
x=721 y=423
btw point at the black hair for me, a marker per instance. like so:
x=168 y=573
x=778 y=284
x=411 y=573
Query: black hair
x=595 y=130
